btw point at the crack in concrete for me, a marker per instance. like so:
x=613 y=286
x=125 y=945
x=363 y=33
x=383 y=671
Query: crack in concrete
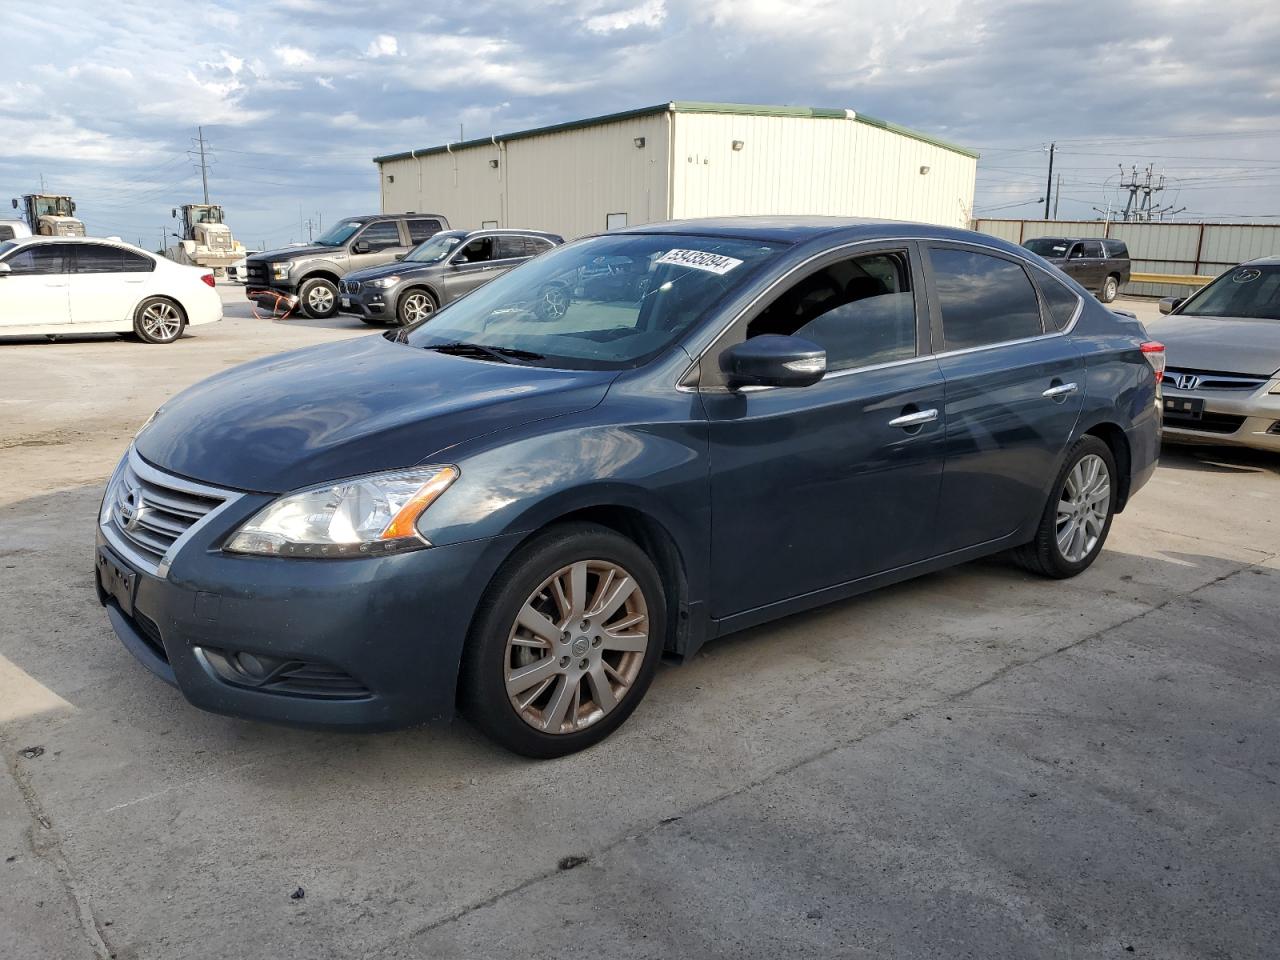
x=46 y=845
x=910 y=714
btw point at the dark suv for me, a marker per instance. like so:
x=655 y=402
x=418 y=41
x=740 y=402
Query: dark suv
x=438 y=272
x=1096 y=263
x=308 y=275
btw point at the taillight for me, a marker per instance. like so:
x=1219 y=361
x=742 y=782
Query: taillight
x=1153 y=350
x=208 y=278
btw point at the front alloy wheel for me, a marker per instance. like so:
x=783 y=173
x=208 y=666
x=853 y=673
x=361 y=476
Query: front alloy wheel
x=565 y=641
x=415 y=307
x=576 y=647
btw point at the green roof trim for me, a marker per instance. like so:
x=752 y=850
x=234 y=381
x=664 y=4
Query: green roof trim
x=916 y=135
x=682 y=106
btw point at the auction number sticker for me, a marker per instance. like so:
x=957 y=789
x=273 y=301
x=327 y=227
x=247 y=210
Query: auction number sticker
x=1247 y=275
x=700 y=260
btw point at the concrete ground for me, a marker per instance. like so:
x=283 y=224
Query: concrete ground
x=975 y=764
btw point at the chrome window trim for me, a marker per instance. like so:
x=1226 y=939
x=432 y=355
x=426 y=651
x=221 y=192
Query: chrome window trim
x=1024 y=261
x=147 y=472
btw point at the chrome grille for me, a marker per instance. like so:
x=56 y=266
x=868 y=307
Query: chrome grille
x=1209 y=380
x=147 y=513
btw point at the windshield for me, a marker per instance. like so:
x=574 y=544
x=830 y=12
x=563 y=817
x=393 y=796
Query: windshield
x=53 y=207
x=339 y=233
x=435 y=249
x=605 y=303
x=206 y=215
x=1048 y=246
x=1246 y=291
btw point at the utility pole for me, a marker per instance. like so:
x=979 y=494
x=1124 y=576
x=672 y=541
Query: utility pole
x=1048 y=189
x=204 y=168
x=1057 y=195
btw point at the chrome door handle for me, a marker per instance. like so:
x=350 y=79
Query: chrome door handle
x=1061 y=390
x=914 y=419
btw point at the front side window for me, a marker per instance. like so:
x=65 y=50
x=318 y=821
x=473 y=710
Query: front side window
x=381 y=235
x=479 y=250
x=861 y=311
x=605 y=303
x=1247 y=291
x=983 y=299
x=37 y=260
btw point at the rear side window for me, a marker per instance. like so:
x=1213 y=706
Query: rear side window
x=984 y=299
x=1060 y=300
x=420 y=230
x=537 y=245
x=42 y=259
x=1093 y=249
x=381 y=235
x=511 y=247
x=6 y=232
x=861 y=311
x=1116 y=248
x=99 y=258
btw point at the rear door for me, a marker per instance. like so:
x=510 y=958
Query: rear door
x=1095 y=264
x=107 y=282
x=34 y=291
x=830 y=477
x=1013 y=392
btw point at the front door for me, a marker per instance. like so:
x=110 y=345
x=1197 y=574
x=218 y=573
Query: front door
x=821 y=485
x=1013 y=393
x=470 y=267
x=376 y=244
x=107 y=283
x=34 y=291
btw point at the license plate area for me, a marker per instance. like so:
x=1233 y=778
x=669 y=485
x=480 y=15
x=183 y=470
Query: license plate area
x=346 y=301
x=1185 y=408
x=116 y=579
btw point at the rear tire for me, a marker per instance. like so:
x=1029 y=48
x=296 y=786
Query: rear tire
x=583 y=673
x=1110 y=289
x=319 y=298
x=158 y=320
x=1077 y=518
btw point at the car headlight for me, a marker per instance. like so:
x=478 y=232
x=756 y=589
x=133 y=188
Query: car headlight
x=384 y=282
x=280 y=271
x=363 y=516
x=1275 y=387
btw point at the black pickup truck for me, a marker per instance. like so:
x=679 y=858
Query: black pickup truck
x=1096 y=263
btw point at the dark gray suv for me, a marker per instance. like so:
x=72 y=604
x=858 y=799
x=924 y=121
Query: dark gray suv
x=446 y=267
x=306 y=276
x=1099 y=264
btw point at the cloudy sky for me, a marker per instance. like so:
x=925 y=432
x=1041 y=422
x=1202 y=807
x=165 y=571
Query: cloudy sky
x=296 y=96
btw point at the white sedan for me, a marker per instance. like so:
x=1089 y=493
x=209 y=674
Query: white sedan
x=71 y=285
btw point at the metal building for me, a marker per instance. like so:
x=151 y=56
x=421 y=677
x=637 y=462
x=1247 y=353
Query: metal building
x=679 y=160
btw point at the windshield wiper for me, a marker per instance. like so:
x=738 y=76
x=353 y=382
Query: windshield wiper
x=462 y=348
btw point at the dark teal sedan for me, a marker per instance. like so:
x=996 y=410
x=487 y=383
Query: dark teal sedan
x=518 y=506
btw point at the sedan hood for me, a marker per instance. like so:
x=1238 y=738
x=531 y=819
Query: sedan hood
x=1220 y=344
x=349 y=408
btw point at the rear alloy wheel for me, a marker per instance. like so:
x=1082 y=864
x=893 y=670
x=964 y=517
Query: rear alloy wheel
x=415 y=307
x=1078 y=517
x=1110 y=288
x=158 y=320
x=565 y=643
x=319 y=298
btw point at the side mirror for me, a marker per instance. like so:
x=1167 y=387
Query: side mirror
x=1170 y=304
x=174 y=213
x=773 y=361
x=5 y=269
x=360 y=246
x=73 y=206
x=15 y=203
x=400 y=256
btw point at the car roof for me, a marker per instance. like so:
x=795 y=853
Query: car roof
x=1271 y=260
x=799 y=229
x=108 y=241
x=1066 y=239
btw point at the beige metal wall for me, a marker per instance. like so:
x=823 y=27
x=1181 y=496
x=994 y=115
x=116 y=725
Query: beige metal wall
x=823 y=166
x=1188 y=249
x=565 y=182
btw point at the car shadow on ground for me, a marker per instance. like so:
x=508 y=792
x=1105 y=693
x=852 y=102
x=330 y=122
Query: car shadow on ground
x=1199 y=458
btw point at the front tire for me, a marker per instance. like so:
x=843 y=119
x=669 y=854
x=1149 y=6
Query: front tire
x=1078 y=516
x=565 y=642
x=1110 y=289
x=319 y=298
x=158 y=320
x=415 y=306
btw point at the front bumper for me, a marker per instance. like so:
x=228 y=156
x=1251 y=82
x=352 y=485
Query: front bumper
x=371 y=643
x=1252 y=420
x=371 y=302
